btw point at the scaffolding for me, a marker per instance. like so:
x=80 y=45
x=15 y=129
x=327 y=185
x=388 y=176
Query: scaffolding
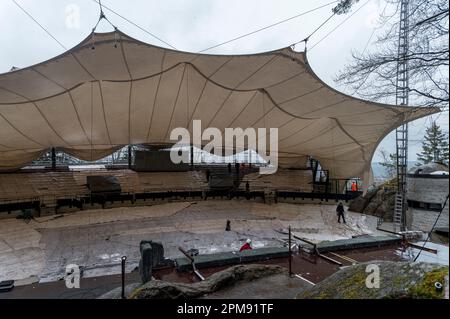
x=402 y=99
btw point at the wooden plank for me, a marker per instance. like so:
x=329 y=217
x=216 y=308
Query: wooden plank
x=431 y=250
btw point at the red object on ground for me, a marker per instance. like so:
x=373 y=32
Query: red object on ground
x=246 y=246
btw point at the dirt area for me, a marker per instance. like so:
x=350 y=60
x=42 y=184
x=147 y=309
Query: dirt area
x=96 y=239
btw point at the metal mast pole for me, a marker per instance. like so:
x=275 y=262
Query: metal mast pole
x=402 y=99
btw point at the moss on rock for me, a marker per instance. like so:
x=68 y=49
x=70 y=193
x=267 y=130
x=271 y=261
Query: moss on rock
x=426 y=288
x=397 y=280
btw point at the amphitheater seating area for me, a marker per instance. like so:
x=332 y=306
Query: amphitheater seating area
x=49 y=186
x=128 y=179
x=176 y=181
x=283 y=179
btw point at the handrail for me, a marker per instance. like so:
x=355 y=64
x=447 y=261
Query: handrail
x=46 y=198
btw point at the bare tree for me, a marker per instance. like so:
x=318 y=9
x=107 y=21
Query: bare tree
x=373 y=74
x=389 y=163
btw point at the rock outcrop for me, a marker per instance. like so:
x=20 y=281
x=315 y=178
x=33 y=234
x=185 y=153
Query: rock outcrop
x=378 y=202
x=397 y=280
x=157 y=289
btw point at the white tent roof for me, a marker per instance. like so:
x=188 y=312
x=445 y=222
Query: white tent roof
x=90 y=102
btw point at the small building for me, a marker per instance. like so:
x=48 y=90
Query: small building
x=427 y=191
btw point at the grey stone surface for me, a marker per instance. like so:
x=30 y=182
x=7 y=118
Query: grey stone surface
x=99 y=247
x=446 y=287
x=428 y=190
x=428 y=168
x=279 y=286
x=397 y=279
x=424 y=219
x=97 y=239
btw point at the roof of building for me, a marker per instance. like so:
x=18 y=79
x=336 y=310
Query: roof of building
x=112 y=90
x=429 y=169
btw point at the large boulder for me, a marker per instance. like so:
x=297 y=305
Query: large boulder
x=378 y=202
x=397 y=280
x=360 y=203
x=157 y=289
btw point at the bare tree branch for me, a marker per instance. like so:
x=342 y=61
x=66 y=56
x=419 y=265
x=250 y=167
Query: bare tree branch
x=373 y=74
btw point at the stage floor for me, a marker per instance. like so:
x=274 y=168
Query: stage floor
x=96 y=239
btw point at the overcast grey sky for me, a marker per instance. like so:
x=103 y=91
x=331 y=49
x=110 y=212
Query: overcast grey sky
x=193 y=25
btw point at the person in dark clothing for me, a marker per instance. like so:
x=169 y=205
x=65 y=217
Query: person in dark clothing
x=340 y=212
x=229 y=167
x=228 y=227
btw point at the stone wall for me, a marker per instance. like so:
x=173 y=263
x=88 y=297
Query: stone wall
x=427 y=189
x=424 y=219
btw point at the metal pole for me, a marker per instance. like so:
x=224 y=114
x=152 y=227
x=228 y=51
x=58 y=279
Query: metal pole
x=290 y=252
x=192 y=157
x=124 y=258
x=129 y=156
x=192 y=260
x=53 y=158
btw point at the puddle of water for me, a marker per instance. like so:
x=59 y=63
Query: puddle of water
x=389 y=253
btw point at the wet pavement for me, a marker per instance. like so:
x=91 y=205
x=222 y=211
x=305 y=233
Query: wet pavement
x=310 y=267
x=272 y=287
x=97 y=239
x=90 y=288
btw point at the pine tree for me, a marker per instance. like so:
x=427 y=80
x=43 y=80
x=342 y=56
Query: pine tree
x=435 y=146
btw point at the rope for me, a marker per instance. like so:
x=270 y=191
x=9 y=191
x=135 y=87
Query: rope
x=326 y=36
x=136 y=25
x=432 y=228
x=40 y=25
x=317 y=29
x=268 y=27
x=102 y=16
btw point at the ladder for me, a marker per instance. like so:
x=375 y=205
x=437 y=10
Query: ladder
x=398 y=212
x=401 y=133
